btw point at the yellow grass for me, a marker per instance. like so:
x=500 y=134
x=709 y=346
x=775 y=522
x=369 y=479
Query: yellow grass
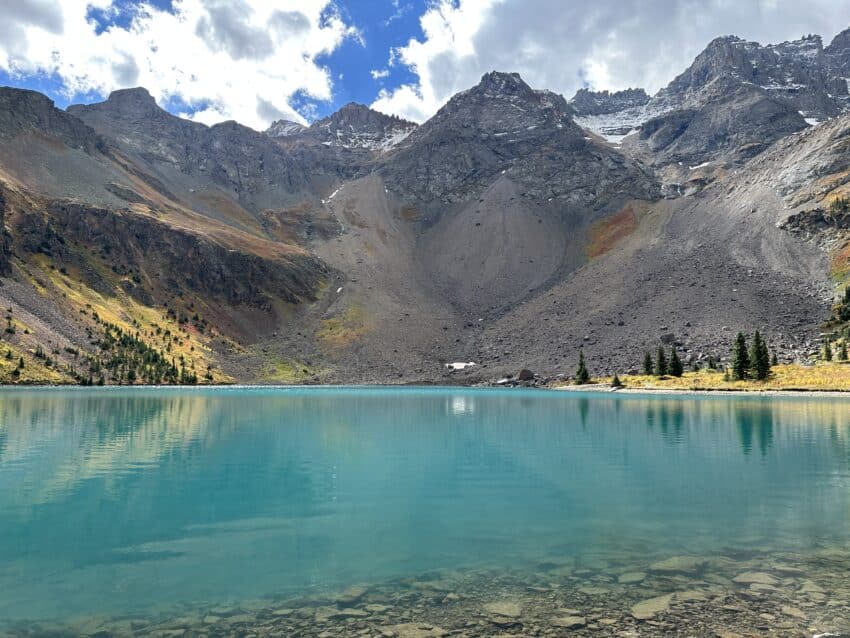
x=288 y=372
x=124 y=311
x=344 y=329
x=34 y=372
x=821 y=377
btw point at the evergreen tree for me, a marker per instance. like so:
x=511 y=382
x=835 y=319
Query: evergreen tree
x=759 y=358
x=712 y=364
x=773 y=360
x=842 y=350
x=844 y=309
x=582 y=375
x=661 y=363
x=675 y=368
x=615 y=382
x=827 y=349
x=740 y=358
x=647 y=364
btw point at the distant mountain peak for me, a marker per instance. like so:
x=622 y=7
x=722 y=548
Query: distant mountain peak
x=133 y=105
x=501 y=84
x=354 y=126
x=285 y=128
x=360 y=116
x=502 y=102
x=587 y=102
x=138 y=96
x=840 y=43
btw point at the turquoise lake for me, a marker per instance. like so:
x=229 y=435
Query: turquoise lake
x=135 y=501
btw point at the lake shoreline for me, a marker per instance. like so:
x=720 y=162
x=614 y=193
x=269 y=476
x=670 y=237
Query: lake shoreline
x=587 y=389
x=704 y=392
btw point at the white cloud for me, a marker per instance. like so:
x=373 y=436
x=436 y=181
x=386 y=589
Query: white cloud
x=379 y=74
x=231 y=59
x=564 y=45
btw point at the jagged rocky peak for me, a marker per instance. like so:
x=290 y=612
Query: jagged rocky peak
x=502 y=103
x=285 y=128
x=587 y=102
x=24 y=110
x=135 y=102
x=838 y=55
x=138 y=97
x=797 y=71
x=358 y=126
x=840 y=43
x=500 y=84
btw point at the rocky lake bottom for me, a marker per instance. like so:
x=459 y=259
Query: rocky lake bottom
x=725 y=595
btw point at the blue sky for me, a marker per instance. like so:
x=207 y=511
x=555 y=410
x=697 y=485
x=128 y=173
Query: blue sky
x=382 y=25
x=256 y=61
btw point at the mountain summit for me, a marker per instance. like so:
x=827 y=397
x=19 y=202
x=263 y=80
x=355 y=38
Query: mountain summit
x=358 y=126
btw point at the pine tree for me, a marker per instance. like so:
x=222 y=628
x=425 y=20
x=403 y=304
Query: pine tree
x=773 y=360
x=615 y=382
x=582 y=375
x=759 y=358
x=675 y=368
x=647 y=364
x=842 y=350
x=661 y=363
x=740 y=358
x=827 y=349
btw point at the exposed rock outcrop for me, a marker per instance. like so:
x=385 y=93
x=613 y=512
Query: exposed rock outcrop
x=5 y=239
x=185 y=155
x=503 y=126
x=587 y=102
x=797 y=72
x=29 y=112
x=732 y=85
x=357 y=126
x=734 y=121
x=166 y=259
x=838 y=55
x=285 y=128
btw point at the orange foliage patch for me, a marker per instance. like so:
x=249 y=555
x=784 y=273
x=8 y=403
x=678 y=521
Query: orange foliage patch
x=840 y=262
x=606 y=233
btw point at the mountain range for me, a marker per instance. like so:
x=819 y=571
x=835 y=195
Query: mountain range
x=511 y=230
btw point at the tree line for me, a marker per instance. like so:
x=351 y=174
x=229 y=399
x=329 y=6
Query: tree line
x=753 y=361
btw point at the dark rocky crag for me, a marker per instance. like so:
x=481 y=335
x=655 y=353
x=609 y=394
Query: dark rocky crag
x=799 y=72
x=502 y=126
x=587 y=102
x=734 y=121
x=5 y=240
x=732 y=86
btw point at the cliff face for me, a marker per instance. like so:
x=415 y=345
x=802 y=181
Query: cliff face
x=732 y=122
x=504 y=127
x=5 y=239
x=160 y=261
x=587 y=102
